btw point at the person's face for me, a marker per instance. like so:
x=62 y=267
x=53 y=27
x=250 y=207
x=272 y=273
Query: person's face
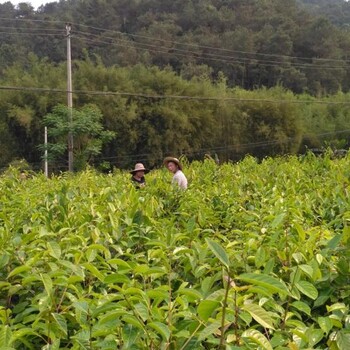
x=139 y=174
x=172 y=167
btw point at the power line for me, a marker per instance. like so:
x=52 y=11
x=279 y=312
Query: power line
x=31 y=20
x=175 y=51
x=178 y=97
x=238 y=148
x=203 y=56
x=31 y=29
x=33 y=33
x=104 y=30
x=209 y=47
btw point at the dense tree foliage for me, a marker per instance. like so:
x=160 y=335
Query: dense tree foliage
x=337 y=11
x=254 y=43
x=86 y=128
x=224 y=78
x=155 y=112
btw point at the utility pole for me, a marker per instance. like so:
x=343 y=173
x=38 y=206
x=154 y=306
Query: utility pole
x=70 y=98
x=46 y=164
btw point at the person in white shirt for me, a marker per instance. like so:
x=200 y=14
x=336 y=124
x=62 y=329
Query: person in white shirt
x=175 y=167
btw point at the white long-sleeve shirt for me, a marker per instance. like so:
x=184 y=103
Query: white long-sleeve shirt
x=180 y=179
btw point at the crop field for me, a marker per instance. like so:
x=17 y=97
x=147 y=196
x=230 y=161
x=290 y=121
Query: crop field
x=253 y=255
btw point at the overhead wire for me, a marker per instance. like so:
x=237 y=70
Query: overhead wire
x=210 y=47
x=180 y=97
x=104 y=30
x=197 y=55
x=36 y=34
x=237 y=148
x=172 y=51
x=182 y=52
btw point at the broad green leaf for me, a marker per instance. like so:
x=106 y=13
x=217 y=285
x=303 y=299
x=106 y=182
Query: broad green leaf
x=257 y=338
x=155 y=271
x=269 y=266
x=246 y=317
x=119 y=262
x=161 y=328
x=191 y=293
x=307 y=289
x=259 y=314
x=219 y=252
x=319 y=258
x=47 y=283
x=206 y=308
x=5 y=336
x=325 y=324
x=278 y=220
x=337 y=321
x=279 y=339
x=61 y=322
x=301 y=232
x=130 y=335
x=337 y=306
x=142 y=311
x=134 y=291
x=99 y=247
x=270 y=283
x=19 y=334
x=333 y=243
x=116 y=278
x=307 y=269
x=130 y=319
x=76 y=269
x=182 y=250
x=4 y=259
x=303 y=307
x=111 y=316
x=158 y=294
x=54 y=345
x=315 y=336
x=82 y=306
x=54 y=249
x=82 y=339
x=95 y=272
x=260 y=257
x=321 y=300
x=91 y=255
x=18 y=270
x=343 y=339
x=209 y=330
x=4 y=284
x=141 y=269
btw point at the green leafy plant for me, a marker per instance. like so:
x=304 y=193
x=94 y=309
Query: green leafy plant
x=254 y=255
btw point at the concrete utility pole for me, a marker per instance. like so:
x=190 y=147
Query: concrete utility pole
x=70 y=98
x=46 y=162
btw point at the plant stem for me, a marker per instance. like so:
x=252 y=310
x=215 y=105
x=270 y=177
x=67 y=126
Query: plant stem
x=191 y=336
x=236 y=320
x=222 y=338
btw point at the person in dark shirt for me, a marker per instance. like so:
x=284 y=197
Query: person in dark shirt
x=138 y=175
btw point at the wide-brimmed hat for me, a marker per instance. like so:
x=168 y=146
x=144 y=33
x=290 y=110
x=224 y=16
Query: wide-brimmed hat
x=174 y=160
x=139 y=167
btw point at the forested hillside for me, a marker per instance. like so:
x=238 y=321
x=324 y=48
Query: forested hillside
x=174 y=77
x=337 y=11
x=254 y=43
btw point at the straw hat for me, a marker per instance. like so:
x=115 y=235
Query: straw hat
x=174 y=160
x=139 y=167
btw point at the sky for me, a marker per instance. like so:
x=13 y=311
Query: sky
x=34 y=3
